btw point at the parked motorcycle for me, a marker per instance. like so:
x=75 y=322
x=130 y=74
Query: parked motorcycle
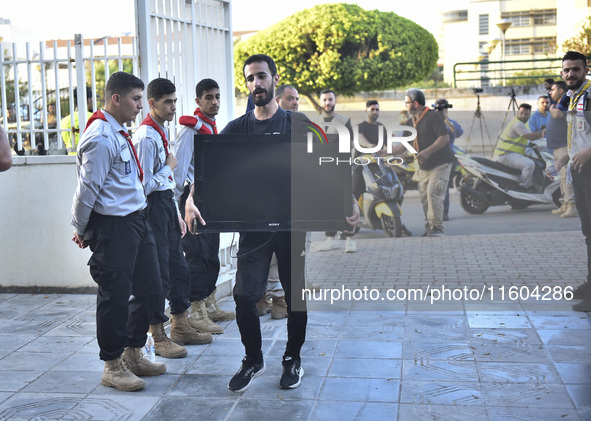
x=490 y=183
x=408 y=178
x=383 y=196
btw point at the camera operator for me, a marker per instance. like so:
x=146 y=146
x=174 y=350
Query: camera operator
x=434 y=159
x=454 y=130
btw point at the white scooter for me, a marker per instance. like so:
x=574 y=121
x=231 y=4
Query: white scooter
x=490 y=183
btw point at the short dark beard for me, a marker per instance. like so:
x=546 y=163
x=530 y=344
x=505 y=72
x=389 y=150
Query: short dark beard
x=261 y=102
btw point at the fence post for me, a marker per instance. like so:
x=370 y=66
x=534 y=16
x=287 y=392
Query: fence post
x=143 y=36
x=80 y=81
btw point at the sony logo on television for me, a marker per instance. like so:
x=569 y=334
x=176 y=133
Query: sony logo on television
x=394 y=134
x=273 y=224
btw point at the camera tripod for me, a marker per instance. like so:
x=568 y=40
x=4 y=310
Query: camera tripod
x=512 y=105
x=478 y=115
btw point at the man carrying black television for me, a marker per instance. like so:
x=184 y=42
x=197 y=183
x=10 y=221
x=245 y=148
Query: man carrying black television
x=256 y=248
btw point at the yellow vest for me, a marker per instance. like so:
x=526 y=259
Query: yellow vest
x=72 y=132
x=507 y=144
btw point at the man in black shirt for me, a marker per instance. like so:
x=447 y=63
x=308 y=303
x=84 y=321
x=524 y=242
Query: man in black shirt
x=257 y=248
x=434 y=157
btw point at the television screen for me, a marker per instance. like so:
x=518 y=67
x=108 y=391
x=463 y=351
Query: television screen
x=269 y=183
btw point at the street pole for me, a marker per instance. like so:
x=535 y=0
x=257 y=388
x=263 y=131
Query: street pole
x=503 y=25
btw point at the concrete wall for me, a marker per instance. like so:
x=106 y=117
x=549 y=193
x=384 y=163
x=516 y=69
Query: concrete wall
x=35 y=241
x=36 y=246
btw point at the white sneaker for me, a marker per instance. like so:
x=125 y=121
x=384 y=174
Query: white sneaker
x=350 y=245
x=328 y=244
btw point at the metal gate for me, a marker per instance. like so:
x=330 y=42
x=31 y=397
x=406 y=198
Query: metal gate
x=186 y=41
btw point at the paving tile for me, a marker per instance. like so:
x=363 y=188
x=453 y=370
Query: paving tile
x=368 y=349
x=435 y=328
x=117 y=407
x=499 y=336
x=568 y=337
x=575 y=321
x=5 y=396
x=392 y=307
x=14 y=381
x=74 y=327
x=437 y=351
x=581 y=395
x=155 y=386
x=439 y=370
x=65 y=345
x=365 y=390
x=435 y=412
x=365 y=368
x=500 y=320
x=527 y=395
x=311 y=348
x=35 y=327
x=10 y=343
x=204 y=386
x=570 y=354
x=585 y=414
x=81 y=362
x=353 y=411
x=178 y=365
x=491 y=372
x=440 y=392
x=26 y=406
x=181 y=408
x=226 y=346
x=31 y=361
x=251 y=409
x=65 y=382
x=388 y=331
x=215 y=365
x=510 y=352
x=532 y=414
x=327 y=318
x=267 y=386
x=91 y=348
x=574 y=373
x=380 y=318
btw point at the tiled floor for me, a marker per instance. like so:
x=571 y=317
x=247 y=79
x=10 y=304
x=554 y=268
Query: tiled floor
x=520 y=363
x=489 y=359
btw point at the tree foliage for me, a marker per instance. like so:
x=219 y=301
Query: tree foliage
x=343 y=47
x=582 y=41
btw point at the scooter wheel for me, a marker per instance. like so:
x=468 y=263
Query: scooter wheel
x=392 y=226
x=472 y=205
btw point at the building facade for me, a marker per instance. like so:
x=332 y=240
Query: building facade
x=537 y=29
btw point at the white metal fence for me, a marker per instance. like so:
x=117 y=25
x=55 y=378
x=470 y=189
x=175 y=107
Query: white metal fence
x=186 y=41
x=48 y=76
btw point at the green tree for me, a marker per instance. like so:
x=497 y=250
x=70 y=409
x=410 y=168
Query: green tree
x=582 y=41
x=343 y=47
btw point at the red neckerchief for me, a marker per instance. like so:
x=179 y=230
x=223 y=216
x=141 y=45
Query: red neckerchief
x=98 y=115
x=191 y=121
x=149 y=121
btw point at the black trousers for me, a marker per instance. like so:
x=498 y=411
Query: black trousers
x=254 y=257
x=582 y=190
x=202 y=256
x=124 y=264
x=174 y=271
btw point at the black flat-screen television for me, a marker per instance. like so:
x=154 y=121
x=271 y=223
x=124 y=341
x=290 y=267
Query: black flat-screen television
x=269 y=183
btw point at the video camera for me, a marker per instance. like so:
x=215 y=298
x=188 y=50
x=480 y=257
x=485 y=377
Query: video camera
x=441 y=107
